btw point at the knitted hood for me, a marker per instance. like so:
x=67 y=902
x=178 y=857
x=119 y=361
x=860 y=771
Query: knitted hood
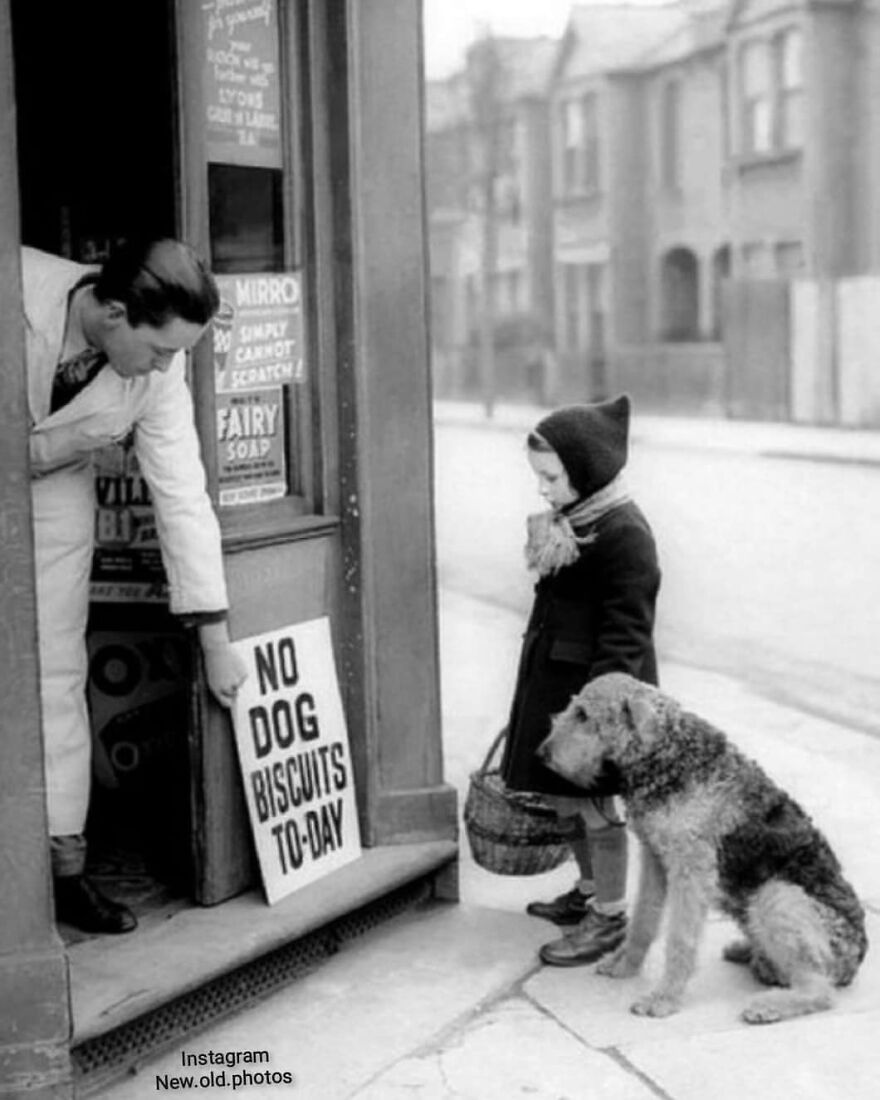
x=591 y=441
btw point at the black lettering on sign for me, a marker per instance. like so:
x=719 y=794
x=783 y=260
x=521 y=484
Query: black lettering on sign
x=279 y=786
x=340 y=775
x=261 y=800
x=270 y=662
x=262 y=738
x=298 y=779
x=282 y=724
x=288 y=844
x=323 y=751
x=324 y=828
x=117 y=492
x=306 y=720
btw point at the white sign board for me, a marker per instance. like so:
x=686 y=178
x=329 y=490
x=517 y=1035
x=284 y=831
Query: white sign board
x=295 y=758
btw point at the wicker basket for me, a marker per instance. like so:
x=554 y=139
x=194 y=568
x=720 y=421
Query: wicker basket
x=513 y=832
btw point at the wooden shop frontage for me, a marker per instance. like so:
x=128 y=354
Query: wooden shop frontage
x=282 y=139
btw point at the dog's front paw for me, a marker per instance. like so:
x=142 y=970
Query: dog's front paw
x=619 y=964
x=758 y=1013
x=655 y=1004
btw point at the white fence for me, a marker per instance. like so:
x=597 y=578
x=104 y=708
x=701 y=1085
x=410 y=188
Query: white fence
x=835 y=351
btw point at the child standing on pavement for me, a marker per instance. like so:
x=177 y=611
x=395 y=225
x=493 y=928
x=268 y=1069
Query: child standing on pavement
x=597 y=583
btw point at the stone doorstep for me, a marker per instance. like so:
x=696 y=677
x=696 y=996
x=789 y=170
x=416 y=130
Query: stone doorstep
x=115 y=980
x=404 y=987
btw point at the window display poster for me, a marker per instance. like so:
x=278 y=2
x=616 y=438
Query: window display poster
x=251 y=466
x=127 y=564
x=257 y=332
x=135 y=678
x=295 y=758
x=241 y=82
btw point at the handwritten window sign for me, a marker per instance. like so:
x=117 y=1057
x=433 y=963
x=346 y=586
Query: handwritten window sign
x=241 y=82
x=295 y=758
x=258 y=340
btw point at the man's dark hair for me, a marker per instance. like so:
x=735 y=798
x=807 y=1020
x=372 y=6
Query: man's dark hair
x=157 y=281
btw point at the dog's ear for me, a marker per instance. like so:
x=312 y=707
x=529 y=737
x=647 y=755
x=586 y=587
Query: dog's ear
x=639 y=714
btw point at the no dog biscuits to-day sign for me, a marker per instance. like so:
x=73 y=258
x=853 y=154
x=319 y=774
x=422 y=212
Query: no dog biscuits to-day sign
x=295 y=759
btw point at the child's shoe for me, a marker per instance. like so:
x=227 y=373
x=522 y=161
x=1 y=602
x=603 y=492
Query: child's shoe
x=569 y=908
x=595 y=936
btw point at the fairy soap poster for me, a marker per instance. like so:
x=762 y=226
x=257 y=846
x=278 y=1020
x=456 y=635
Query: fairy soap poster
x=258 y=353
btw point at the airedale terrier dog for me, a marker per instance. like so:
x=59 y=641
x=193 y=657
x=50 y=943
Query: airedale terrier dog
x=713 y=827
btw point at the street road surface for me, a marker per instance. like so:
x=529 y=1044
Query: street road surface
x=771 y=566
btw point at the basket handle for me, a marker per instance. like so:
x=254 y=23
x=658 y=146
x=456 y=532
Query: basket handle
x=484 y=767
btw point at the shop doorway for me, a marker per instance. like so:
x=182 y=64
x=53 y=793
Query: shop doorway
x=98 y=163
x=94 y=86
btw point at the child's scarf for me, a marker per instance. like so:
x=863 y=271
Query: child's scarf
x=552 y=543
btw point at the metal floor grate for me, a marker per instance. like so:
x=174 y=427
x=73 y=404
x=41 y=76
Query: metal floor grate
x=107 y=1057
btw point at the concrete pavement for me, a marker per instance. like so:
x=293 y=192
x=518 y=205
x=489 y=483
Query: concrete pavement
x=451 y=1003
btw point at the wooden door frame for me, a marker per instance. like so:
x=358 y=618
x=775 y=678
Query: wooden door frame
x=34 y=989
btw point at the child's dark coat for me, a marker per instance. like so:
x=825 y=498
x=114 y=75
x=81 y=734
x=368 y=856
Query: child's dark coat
x=592 y=617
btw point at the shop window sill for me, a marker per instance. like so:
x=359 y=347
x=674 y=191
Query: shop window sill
x=254 y=527
x=772 y=159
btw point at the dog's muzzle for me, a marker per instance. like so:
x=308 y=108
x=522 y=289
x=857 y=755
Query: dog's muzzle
x=606 y=782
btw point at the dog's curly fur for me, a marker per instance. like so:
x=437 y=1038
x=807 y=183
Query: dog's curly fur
x=713 y=827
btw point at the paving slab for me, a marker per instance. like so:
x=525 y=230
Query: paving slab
x=825 y=1057
x=512 y=1050
x=597 y=1009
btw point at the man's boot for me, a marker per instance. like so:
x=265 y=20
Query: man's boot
x=80 y=903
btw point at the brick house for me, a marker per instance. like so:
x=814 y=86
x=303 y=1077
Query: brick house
x=713 y=171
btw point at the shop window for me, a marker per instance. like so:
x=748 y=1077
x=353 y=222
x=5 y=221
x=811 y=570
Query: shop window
x=73 y=202
x=261 y=399
x=247 y=218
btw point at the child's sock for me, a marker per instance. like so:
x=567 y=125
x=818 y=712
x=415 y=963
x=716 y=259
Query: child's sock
x=608 y=849
x=585 y=883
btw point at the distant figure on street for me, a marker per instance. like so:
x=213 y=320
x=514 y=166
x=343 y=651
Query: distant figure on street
x=593 y=613
x=105 y=357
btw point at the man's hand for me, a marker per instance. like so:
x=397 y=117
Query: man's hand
x=224 y=667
